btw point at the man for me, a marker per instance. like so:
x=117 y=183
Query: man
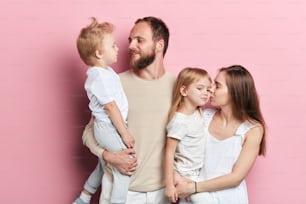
x=148 y=88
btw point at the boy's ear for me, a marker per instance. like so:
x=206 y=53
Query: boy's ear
x=98 y=54
x=183 y=90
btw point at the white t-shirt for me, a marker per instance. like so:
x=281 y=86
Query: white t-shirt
x=189 y=130
x=103 y=86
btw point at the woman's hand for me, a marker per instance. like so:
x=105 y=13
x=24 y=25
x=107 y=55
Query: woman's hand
x=185 y=188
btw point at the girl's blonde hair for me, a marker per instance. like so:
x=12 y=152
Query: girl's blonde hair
x=186 y=77
x=90 y=40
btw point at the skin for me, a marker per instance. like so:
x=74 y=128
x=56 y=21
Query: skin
x=108 y=52
x=195 y=95
x=141 y=44
x=223 y=126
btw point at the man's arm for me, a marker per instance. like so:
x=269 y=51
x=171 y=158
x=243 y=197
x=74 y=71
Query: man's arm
x=121 y=160
x=90 y=141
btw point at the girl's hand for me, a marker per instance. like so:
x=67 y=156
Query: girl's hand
x=171 y=194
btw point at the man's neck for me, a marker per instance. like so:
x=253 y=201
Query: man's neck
x=152 y=72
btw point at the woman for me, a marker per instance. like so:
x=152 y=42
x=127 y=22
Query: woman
x=236 y=135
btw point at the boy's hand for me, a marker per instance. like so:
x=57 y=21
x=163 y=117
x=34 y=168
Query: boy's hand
x=128 y=139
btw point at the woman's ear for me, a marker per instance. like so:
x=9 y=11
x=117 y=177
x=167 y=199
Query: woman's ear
x=98 y=54
x=183 y=90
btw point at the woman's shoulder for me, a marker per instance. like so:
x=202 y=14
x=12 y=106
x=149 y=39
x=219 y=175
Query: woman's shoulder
x=253 y=128
x=256 y=126
x=253 y=124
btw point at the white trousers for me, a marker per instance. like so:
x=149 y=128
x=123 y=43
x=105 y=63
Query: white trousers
x=108 y=138
x=199 y=198
x=153 y=197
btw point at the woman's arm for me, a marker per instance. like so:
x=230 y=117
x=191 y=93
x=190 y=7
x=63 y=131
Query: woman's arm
x=170 y=191
x=240 y=170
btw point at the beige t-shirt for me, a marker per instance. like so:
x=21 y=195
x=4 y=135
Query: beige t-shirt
x=149 y=103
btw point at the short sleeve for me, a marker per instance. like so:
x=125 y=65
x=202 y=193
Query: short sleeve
x=177 y=128
x=100 y=88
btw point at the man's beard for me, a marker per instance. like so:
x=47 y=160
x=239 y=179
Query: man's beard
x=143 y=61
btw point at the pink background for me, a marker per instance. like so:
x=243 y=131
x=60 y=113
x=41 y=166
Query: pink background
x=44 y=107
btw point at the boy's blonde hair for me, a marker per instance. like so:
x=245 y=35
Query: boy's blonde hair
x=90 y=39
x=186 y=77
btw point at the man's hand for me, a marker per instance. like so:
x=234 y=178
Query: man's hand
x=124 y=161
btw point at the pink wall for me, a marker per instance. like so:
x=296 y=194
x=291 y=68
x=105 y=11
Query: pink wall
x=44 y=108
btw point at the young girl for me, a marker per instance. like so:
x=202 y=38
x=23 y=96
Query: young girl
x=235 y=137
x=108 y=103
x=185 y=130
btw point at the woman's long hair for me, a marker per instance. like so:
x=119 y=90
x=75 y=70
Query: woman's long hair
x=244 y=98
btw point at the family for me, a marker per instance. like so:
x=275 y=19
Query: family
x=154 y=141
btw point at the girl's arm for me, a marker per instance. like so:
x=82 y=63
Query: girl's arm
x=170 y=191
x=240 y=170
x=116 y=117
